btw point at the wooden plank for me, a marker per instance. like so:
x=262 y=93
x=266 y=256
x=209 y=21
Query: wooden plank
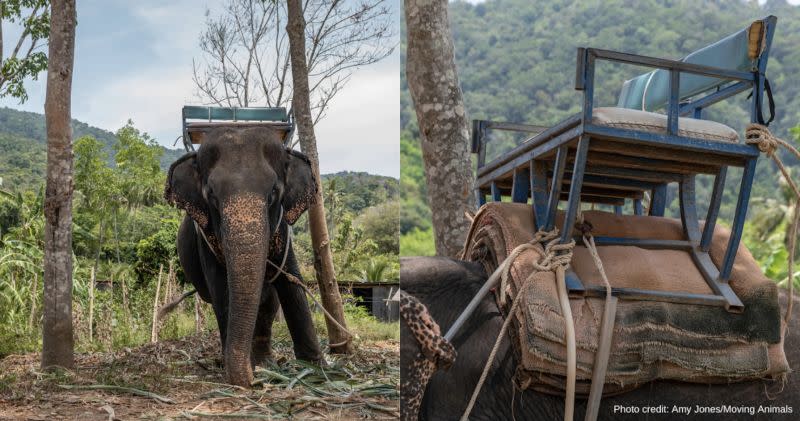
x=737 y=152
x=607 y=192
x=657 y=152
x=629 y=173
x=660 y=165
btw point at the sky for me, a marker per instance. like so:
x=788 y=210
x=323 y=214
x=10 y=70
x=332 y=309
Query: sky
x=133 y=60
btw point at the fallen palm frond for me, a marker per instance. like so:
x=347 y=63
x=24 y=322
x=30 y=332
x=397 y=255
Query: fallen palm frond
x=120 y=389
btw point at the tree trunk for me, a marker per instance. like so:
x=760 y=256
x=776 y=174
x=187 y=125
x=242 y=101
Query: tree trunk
x=444 y=129
x=154 y=326
x=57 y=339
x=323 y=259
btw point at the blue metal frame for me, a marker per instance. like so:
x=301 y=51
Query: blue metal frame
x=602 y=164
x=277 y=116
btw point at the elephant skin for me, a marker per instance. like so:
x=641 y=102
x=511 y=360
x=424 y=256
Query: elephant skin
x=241 y=190
x=446 y=285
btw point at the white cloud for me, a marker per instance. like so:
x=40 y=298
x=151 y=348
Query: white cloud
x=362 y=129
x=152 y=97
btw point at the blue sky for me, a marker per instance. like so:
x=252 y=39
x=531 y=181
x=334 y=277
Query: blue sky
x=133 y=60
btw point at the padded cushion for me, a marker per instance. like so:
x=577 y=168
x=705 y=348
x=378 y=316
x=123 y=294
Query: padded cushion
x=626 y=118
x=736 y=52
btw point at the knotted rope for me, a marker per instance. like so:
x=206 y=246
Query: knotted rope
x=757 y=134
x=436 y=352
x=555 y=257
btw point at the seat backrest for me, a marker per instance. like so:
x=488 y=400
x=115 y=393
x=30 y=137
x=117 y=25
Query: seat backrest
x=235 y=113
x=741 y=51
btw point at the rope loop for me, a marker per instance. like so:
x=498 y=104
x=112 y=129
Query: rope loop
x=553 y=255
x=758 y=134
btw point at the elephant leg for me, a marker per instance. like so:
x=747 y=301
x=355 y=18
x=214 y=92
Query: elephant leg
x=297 y=314
x=216 y=284
x=189 y=257
x=262 y=337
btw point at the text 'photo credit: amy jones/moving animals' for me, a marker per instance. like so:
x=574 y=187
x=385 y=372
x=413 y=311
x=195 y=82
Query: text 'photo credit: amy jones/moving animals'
x=199 y=209
x=600 y=210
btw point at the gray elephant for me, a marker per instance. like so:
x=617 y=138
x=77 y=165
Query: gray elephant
x=241 y=191
x=445 y=286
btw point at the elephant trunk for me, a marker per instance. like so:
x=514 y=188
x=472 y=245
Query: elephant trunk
x=245 y=243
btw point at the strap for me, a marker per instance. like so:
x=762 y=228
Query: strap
x=279 y=269
x=760 y=104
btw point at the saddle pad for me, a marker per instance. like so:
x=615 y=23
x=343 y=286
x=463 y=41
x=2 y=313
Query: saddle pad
x=651 y=340
x=625 y=118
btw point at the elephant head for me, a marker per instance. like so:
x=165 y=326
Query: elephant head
x=237 y=188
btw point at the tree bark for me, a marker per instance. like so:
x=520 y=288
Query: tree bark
x=57 y=339
x=444 y=129
x=339 y=339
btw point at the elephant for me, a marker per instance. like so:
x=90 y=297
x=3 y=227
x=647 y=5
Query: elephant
x=241 y=191
x=446 y=285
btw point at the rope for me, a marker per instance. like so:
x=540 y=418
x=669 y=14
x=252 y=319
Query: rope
x=607 y=331
x=757 y=134
x=291 y=278
x=553 y=257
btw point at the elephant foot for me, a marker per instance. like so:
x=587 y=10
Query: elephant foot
x=261 y=352
x=264 y=360
x=238 y=370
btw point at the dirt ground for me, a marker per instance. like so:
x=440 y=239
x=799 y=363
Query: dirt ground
x=183 y=379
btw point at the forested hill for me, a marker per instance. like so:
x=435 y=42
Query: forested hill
x=23 y=139
x=516 y=58
x=516 y=62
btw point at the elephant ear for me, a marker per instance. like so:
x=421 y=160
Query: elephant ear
x=183 y=189
x=300 y=190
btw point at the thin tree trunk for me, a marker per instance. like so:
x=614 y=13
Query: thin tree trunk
x=116 y=235
x=323 y=259
x=57 y=335
x=99 y=244
x=34 y=291
x=154 y=330
x=125 y=301
x=91 y=305
x=198 y=326
x=444 y=129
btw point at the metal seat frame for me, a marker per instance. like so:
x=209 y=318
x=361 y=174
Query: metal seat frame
x=608 y=165
x=276 y=117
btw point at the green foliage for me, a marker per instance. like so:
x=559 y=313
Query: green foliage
x=417 y=242
x=137 y=157
x=157 y=250
x=380 y=224
x=23 y=153
x=26 y=61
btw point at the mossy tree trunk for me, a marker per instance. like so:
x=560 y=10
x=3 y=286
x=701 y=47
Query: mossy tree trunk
x=57 y=340
x=444 y=129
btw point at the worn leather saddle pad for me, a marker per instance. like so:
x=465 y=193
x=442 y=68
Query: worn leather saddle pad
x=651 y=340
